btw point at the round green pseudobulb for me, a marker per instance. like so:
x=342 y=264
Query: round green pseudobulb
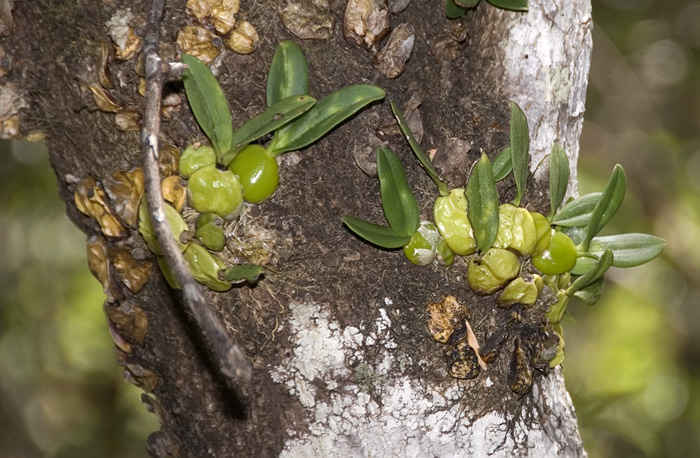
x=210 y=231
x=450 y=214
x=544 y=232
x=257 y=171
x=211 y=190
x=492 y=271
x=523 y=290
x=559 y=257
x=422 y=249
x=177 y=226
x=205 y=267
x=193 y=159
x=516 y=229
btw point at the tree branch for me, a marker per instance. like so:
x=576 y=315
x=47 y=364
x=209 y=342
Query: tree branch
x=230 y=357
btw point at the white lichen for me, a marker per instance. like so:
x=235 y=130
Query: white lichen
x=382 y=410
x=118 y=27
x=546 y=63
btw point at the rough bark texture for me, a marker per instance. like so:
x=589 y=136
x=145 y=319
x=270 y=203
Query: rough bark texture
x=343 y=362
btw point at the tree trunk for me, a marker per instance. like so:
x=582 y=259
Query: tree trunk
x=343 y=363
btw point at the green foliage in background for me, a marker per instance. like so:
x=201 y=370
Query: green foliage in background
x=633 y=361
x=61 y=394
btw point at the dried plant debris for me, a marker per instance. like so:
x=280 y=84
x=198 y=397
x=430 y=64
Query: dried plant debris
x=448 y=323
x=98 y=262
x=221 y=13
x=174 y=192
x=104 y=75
x=445 y=317
x=6 y=21
x=104 y=260
x=128 y=120
x=493 y=343
x=391 y=60
x=129 y=321
x=90 y=199
x=462 y=361
x=141 y=377
x=125 y=190
x=171 y=104
x=520 y=373
x=161 y=444
x=541 y=344
x=533 y=347
x=366 y=22
x=123 y=346
x=168 y=160
x=104 y=101
x=126 y=42
x=396 y=6
x=133 y=273
x=11 y=102
x=244 y=39
x=197 y=41
x=308 y=19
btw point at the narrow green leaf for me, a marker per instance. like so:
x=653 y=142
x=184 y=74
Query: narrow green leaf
x=594 y=274
x=558 y=178
x=629 y=250
x=584 y=264
x=381 y=236
x=208 y=104
x=519 y=150
x=324 y=116
x=250 y=273
x=467 y=3
x=607 y=206
x=418 y=151
x=591 y=294
x=576 y=233
x=482 y=204
x=400 y=207
x=513 y=5
x=453 y=10
x=577 y=213
x=288 y=75
x=276 y=116
x=502 y=165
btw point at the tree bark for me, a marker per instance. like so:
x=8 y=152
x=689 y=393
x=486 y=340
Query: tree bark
x=343 y=363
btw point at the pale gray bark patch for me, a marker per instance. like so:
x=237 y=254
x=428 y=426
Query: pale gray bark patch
x=401 y=416
x=545 y=60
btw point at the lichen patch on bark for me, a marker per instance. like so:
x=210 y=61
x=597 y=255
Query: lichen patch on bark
x=378 y=407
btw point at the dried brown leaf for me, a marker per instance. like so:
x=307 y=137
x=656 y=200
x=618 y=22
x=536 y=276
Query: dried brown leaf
x=392 y=59
x=366 y=22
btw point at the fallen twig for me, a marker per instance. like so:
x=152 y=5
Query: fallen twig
x=230 y=357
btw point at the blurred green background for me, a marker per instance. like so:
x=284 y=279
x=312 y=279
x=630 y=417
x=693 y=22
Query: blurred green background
x=633 y=360
x=61 y=395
